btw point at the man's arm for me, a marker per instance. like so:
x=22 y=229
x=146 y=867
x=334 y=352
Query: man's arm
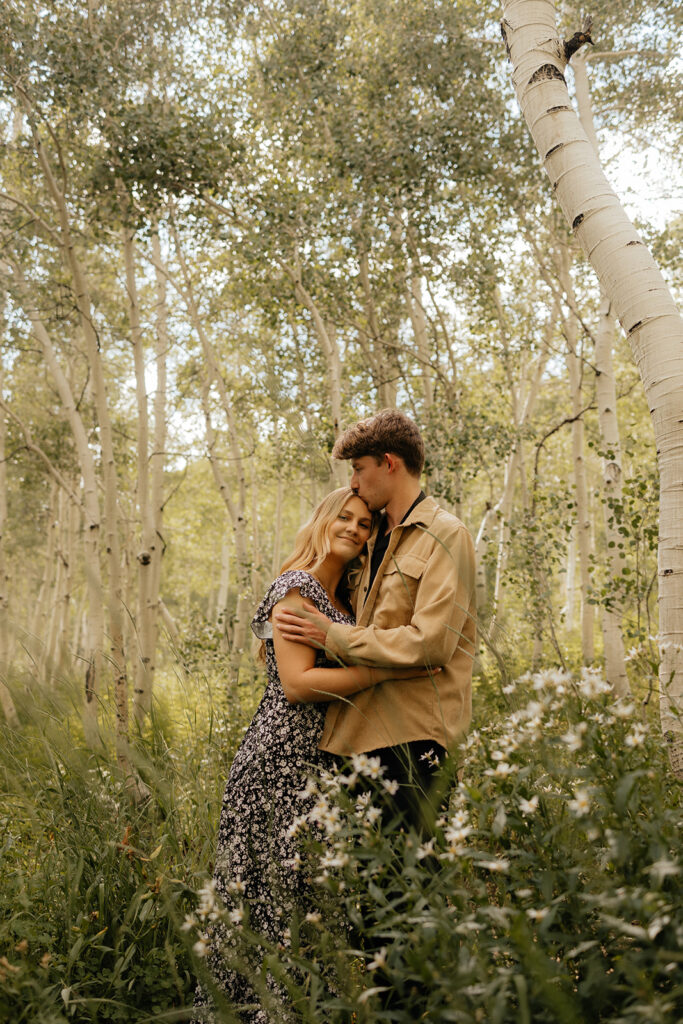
x=442 y=608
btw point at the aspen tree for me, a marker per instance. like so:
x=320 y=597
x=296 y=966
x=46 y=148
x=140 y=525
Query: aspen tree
x=6 y=701
x=145 y=661
x=606 y=394
x=157 y=459
x=237 y=508
x=575 y=367
x=634 y=285
x=94 y=640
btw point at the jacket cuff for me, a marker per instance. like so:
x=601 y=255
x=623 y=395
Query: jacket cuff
x=336 y=645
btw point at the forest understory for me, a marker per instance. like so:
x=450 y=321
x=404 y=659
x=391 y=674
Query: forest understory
x=228 y=231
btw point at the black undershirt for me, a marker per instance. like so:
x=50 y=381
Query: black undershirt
x=382 y=542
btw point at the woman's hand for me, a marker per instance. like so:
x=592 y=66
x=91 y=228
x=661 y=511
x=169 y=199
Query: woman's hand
x=310 y=627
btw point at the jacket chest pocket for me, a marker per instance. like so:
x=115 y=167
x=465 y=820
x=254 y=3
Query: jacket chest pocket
x=398 y=590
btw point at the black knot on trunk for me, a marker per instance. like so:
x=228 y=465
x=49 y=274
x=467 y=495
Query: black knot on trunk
x=579 y=39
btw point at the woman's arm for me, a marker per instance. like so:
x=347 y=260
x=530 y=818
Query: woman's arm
x=303 y=683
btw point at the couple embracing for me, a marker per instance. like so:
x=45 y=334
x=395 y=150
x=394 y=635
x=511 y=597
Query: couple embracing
x=368 y=636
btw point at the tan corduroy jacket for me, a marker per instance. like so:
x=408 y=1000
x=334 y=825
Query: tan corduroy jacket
x=419 y=611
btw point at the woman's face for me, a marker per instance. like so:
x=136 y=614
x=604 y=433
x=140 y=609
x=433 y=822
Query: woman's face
x=350 y=530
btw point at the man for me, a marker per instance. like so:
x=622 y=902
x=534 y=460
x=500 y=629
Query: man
x=414 y=605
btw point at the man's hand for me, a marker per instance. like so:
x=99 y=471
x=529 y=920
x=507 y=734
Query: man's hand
x=308 y=628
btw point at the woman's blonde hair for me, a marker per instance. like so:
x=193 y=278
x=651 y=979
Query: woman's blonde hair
x=312 y=543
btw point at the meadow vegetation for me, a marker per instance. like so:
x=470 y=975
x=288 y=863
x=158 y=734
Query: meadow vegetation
x=549 y=889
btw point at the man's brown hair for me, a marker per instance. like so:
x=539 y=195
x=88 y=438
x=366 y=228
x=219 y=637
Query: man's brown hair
x=388 y=431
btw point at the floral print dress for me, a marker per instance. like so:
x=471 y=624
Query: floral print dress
x=257 y=851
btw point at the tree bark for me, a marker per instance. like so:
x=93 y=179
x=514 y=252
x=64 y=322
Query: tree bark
x=157 y=460
x=639 y=295
x=236 y=509
x=583 y=519
x=145 y=661
x=606 y=394
x=94 y=641
x=83 y=305
x=6 y=701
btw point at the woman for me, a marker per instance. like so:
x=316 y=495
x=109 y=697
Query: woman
x=257 y=849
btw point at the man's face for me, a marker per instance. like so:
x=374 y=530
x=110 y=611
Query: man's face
x=371 y=481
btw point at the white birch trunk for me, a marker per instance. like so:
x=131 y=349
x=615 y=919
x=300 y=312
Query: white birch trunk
x=237 y=519
x=606 y=394
x=639 y=295
x=419 y=325
x=327 y=339
x=6 y=701
x=94 y=642
x=276 y=559
x=144 y=664
x=583 y=519
x=223 y=585
x=570 y=582
x=486 y=528
x=83 y=305
x=236 y=509
x=157 y=459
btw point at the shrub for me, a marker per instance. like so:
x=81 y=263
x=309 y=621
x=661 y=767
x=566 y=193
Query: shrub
x=548 y=891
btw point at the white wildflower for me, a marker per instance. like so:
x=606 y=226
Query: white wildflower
x=425 y=849
x=637 y=735
x=574 y=737
x=524 y=894
x=372 y=814
x=592 y=683
x=236 y=886
x=459 y=819
x=452 y=851
x=236 y=916
x=362 y=801
x=656 y=924
x=201 y=946
x=370 y=766
x=295 y=863
x=391 y=786
x=331 y=820
x=189 y=923
x=457 y=835
x=313 y=917
x=379 y=960
x=499 y=865
x=502 y=770
x=663 y=868
x=528 y=806
x=208 y=908
x=581 y=804
x=310 y=789
x=538 y=914
x=621 y=710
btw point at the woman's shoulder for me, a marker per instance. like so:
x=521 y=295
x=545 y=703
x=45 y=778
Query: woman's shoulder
x=294 y=579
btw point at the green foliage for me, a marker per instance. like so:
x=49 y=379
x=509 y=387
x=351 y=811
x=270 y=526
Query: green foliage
x=94 y=886
x=550 y=890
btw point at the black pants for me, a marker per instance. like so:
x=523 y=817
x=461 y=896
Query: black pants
x=414 y=767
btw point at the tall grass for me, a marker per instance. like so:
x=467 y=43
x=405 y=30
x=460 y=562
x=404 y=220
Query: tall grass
x=93 y=886
x=549 y=893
